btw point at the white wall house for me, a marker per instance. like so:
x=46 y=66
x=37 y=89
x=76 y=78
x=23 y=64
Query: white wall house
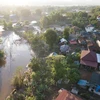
x=89 y=28
x=63 y=40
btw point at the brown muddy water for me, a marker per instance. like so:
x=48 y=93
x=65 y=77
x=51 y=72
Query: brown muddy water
x=18 y=53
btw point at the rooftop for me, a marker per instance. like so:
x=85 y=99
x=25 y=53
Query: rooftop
x=66 y=95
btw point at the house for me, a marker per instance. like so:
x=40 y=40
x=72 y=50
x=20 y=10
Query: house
x=16 y=25
x=89 y=28
x=73 y=41
x=82 y=41
x=64 y=49
x=84 y=34
x=66 y=95
x=88 y=58
x=33 y=22
x=63 y=41
x=13 y=17
x=95 y=78
x=93 y=46
x=53 y=54
x=98 y=59
x=98 y=18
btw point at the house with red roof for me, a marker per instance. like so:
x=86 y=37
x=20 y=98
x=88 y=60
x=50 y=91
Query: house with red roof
x=66 y=95
x=89 y=58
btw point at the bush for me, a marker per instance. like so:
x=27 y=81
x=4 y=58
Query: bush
x=17 y=81
x=38 y=45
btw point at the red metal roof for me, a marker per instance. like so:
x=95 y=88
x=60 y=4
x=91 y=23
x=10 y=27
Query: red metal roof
x=88 y=58
x=73 y=42
x=89 y=63
x=88 y=55
x=65 y=95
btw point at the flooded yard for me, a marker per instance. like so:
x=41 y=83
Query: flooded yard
x=18 y=53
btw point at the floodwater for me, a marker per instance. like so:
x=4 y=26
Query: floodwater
x=18 y=53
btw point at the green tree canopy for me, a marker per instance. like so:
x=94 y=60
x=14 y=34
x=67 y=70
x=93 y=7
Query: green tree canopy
x=44 y=21
x=74 y=75
x=59 y=65
x=66 y=32
x=50 y=37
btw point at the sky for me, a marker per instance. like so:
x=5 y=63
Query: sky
x=50 y=2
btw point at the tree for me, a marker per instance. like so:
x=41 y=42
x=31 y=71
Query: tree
x=59 y=66
x=9 y=25
x=38 y=45
x=44 y=21
x=75 y=23
x=83 y=14
x=42 y=84
x=63 y=68
x=74 y=75
x=17 y=81
x=66 y=32
x=50 y=37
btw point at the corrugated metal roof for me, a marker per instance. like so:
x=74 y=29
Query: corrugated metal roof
x=98 y=58
x=65 y=95
x=88 y=55
x=88 y=58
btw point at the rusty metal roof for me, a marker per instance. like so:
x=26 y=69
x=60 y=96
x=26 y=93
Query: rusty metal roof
x=65 y=95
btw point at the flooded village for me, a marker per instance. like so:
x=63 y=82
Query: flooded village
x=50 y=53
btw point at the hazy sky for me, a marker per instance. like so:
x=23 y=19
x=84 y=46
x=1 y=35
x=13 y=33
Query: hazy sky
x=52 y=2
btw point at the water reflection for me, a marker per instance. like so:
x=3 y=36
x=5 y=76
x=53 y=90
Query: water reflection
x=18 y=53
